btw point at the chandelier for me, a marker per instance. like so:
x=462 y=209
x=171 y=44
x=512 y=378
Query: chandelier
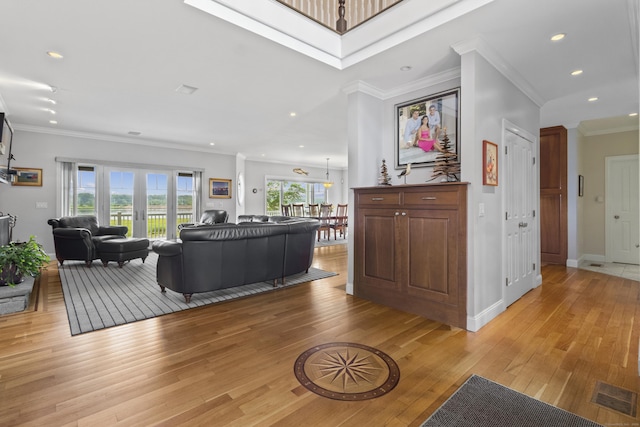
x=327 y=183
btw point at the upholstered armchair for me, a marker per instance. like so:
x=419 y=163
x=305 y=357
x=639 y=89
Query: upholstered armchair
x=76 y=237
x=207 y=218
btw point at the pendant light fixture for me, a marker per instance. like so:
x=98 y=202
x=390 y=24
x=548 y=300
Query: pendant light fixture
x=327 y=183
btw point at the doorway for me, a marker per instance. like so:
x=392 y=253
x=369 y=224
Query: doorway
x=622 y=229
x=520 y=194
x=142 y=200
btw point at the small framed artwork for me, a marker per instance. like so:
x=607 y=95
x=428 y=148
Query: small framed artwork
x=424 y=126
x=219 y=188
x=580 y=185
x=489 y=163
x=28 y=176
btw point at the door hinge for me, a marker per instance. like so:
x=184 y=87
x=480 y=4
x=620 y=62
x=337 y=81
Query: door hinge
x=534 y=213
x=505 y=150
x=506 y=216
x=534 y=266
x=506 y=281
x=534 y=160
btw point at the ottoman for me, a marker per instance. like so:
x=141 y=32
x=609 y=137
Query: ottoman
x=122 y=250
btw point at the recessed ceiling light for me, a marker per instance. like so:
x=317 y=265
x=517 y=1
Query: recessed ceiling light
x=212 y=143
x=53 y=122
x=576 y=72
x=593 y=99
x=557 y=37
x=53 y=89
x=406 y=68
x=292 y=114
x=301 y=146
x=187 y=90
x=54 y=54
x=633 y=114
x=51 y=101
x=51 y=111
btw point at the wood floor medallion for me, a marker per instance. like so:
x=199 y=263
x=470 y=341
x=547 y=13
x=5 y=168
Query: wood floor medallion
x=347 y=371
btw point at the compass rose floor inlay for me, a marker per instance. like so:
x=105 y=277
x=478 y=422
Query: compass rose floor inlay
x=347 y=371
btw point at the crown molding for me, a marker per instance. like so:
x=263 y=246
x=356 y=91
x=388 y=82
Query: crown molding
x=607 y=131
x=477 y=44
x=113 y=138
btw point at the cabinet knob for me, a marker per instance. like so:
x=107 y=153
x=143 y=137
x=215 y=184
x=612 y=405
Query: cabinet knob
x=397 y=213
x=404 y=214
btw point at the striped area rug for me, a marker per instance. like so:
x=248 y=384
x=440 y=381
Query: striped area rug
x=98 y=297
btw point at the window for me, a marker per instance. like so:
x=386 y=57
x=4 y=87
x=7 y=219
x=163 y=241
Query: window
x=281 y=192
x=85 y=201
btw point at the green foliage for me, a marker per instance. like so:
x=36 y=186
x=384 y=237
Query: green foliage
x=273 y=196
x=295 y=193
x=21 y=258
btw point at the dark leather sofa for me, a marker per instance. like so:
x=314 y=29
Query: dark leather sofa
x=208 y=217
x=207 y=258
x=77 y=237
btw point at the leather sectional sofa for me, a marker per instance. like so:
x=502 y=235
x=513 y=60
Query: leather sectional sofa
x=217 y=256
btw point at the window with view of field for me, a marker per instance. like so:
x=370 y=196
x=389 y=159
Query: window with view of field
x=280 y=192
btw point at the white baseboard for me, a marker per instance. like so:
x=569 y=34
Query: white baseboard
x=476 y=322
x=593 y=257
x=349 y=288
x=573 y=263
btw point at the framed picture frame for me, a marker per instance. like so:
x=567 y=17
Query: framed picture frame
x=442 y=109
x=489 y=163
x=27 y=177
x=219 y=188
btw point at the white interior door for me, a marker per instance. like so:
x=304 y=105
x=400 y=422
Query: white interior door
x=622 y=216
x=520 y=223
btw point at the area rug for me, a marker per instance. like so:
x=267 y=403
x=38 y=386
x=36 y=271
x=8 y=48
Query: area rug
x=346 y=371
x=99 y=297
x=480 y=402
x=331 y=242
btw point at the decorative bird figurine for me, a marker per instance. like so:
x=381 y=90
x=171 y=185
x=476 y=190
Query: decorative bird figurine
x=301 y=171
x=405 y=172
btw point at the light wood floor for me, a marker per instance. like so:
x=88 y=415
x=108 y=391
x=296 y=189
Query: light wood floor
x=232 y=363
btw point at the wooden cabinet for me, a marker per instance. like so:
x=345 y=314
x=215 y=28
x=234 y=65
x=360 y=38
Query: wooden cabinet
x=410 y=249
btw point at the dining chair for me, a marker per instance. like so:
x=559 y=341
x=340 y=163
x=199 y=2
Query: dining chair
x=286 y=210
x=341 y=221
x=325 y=221
x=314 y=210
x=298 y=209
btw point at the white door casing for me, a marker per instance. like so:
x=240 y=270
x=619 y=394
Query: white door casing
x=520 y=184
x=622 y=218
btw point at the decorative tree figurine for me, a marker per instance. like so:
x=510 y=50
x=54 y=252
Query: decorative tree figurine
x=384 y=178
x=447 y=166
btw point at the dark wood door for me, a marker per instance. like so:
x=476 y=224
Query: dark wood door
x=553 y=195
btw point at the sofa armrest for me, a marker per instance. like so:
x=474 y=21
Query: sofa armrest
x=167 y=247
x=112 y=230
x=72 y=233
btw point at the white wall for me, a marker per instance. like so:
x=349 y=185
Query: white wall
x=487 y=97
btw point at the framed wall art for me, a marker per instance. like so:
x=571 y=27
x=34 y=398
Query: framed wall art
x=219 y=188
x=420 y=126
x=489 y=163
x=28 y=177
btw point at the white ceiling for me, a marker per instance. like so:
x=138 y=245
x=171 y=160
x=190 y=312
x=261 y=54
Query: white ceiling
x=123 y=61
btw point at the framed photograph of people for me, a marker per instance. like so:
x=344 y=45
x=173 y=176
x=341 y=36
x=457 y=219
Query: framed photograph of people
x=489 y=163
x=219 y=188
x=421 y=126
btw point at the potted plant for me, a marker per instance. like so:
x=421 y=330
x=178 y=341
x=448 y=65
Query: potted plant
x=18 y=259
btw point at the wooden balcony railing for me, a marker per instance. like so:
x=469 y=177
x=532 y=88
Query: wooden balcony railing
x=326 y=12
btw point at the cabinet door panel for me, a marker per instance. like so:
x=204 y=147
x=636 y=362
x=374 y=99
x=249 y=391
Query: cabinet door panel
x=376 y=256
x=433 y=256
